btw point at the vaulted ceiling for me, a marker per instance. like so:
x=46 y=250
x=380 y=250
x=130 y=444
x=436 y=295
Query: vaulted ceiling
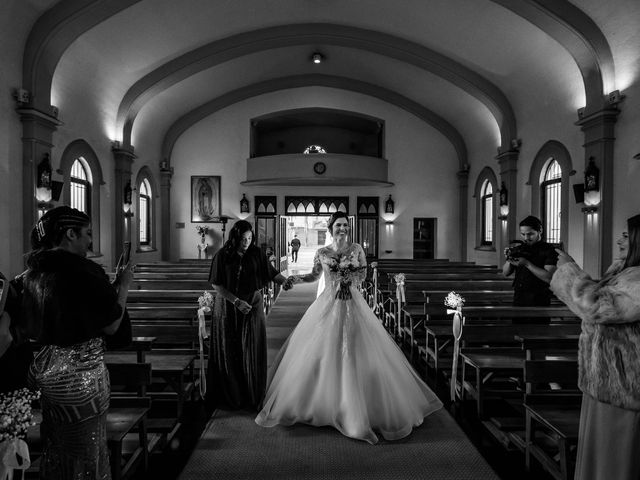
x=474 y=69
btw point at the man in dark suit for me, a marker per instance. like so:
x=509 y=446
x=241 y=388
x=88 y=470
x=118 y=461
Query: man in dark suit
x=295 y=246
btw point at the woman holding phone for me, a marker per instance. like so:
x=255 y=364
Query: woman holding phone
x=69 y=307
x=609 y=359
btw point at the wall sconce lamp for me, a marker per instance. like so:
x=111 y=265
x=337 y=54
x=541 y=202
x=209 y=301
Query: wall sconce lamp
x=504 y=202
x=591 y=187
x=389 y=205
x=127 y=202
x=317 y=58
x=244 y=204
x=43 y=181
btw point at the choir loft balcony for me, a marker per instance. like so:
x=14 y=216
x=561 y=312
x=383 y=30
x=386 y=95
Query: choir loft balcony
x=317 y=169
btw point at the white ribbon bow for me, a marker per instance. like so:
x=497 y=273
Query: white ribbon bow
x=9 y=451
x=202 y=336
x=400 y=293
x=458 y=323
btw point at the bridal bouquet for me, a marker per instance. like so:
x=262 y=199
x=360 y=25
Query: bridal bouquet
x=346 y=267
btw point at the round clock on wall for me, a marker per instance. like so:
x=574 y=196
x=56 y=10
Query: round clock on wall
x=319 y=168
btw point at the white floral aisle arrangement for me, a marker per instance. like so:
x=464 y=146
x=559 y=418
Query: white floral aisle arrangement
x=205 y=300
x=16 y=417
x=455 y=302
x=346 y=267
x=399 y=278
x=202 y=231
x=205 y=304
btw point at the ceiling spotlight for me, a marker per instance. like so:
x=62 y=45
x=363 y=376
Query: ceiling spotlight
x=317 y=57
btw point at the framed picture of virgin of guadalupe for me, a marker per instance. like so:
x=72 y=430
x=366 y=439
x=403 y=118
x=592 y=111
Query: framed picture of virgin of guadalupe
x=205 y=198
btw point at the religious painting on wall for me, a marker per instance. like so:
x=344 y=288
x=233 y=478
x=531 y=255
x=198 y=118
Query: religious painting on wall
x=205 y=199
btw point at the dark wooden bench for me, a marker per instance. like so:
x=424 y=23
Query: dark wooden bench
x=552 y=415
x=493 y=325
x=126 y=417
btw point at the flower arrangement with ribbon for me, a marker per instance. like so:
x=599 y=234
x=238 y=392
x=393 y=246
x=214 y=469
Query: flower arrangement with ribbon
x=374 y=268
x=202 y=231
x=205 y=304
x=15 y=418
x=399 y=279
x=455 y=302
x=346 y=266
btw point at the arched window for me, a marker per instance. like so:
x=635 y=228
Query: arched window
x=551 y=206
x=144 y=213
x=485 y=194
x=486 y=202
x=314 y=149
x=80 y=185
x=82 y=175
x=146 y=191
x=550 y=190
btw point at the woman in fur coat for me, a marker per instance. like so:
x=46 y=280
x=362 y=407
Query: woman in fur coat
x=609 y=360
x=69 y=305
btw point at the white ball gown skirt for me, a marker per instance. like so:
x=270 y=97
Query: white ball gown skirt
x=339 y=367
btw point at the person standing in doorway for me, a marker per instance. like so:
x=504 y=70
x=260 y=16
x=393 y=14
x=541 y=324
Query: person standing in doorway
x=295 y=246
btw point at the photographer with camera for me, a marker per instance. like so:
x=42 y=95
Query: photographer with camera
x=533 y=262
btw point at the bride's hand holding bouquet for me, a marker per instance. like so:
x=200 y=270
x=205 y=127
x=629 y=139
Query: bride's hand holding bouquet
x=347 y=268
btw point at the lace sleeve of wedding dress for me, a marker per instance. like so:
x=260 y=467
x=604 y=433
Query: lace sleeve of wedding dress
x=360 y=275
x=316 y=271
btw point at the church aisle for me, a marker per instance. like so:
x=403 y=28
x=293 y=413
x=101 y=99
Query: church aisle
x=234 y=447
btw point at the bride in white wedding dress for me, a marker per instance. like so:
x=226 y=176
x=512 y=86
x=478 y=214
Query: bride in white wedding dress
x=339 y=367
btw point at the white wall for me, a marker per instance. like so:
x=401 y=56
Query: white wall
x=16 y=19
x=422 y=165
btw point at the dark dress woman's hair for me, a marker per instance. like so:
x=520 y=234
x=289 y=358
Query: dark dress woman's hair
x=235 y=235
x=49 y=231
x=332 y=219
x=633 y=252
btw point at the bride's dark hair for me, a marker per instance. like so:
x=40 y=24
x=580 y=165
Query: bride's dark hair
x=332 y=219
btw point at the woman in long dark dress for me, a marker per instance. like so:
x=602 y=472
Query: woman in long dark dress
x=69 y=305
x=238 y=355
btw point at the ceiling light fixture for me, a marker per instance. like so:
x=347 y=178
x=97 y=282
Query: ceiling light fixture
x=317 y=58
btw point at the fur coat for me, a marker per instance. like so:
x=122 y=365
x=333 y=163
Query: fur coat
x=609 y=354
x=66 y=298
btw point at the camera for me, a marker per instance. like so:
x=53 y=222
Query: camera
x=517 y=250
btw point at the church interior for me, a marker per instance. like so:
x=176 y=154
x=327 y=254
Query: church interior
x=436 y=126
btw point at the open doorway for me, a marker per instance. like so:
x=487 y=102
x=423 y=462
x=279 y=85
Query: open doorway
x=311 y=233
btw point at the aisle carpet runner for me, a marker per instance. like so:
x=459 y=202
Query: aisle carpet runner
x=234 y=447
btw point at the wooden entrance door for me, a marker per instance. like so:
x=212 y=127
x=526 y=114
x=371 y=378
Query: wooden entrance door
x=424 y=237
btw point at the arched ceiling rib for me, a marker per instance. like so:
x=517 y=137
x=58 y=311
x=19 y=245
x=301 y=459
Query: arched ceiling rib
x=189 y=119
x=268 y=38
x=577 y=33
x=52 y=34
x=61 y=25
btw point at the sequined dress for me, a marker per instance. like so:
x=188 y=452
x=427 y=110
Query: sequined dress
x=340 y=368
x=74 y=385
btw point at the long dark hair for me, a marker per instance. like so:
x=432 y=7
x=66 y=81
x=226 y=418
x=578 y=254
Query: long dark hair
x=235 y=236
x=633 y=252
x=332 y=219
